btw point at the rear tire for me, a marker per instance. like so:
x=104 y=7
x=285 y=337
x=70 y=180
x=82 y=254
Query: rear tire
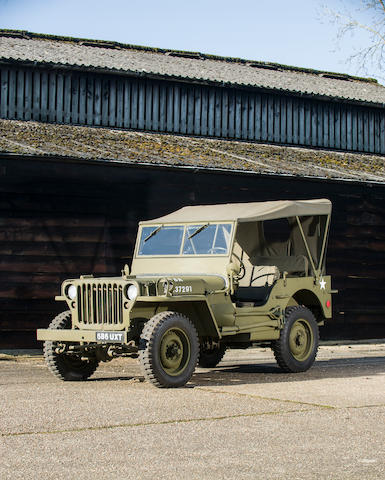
x=168 y=350
x=209 y=358
x=64 y=366
x=296 y=349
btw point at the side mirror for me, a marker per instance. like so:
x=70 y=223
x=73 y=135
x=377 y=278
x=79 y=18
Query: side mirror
x=126 y=270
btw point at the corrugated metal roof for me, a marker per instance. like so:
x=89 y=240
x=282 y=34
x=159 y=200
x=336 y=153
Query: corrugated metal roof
x=91 y=143
x=185 y=66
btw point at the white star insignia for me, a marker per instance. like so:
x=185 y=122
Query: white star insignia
x=322 y=284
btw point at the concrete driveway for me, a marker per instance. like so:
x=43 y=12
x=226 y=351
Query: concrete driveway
x=242 y=420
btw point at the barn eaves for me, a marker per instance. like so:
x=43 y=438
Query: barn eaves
x=112 y=57
x=141 y=148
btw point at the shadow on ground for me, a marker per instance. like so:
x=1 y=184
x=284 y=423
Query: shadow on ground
x=238 y=374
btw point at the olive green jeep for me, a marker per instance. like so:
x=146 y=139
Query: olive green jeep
x=203 y=279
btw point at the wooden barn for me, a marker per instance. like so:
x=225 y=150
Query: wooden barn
x=95 y=136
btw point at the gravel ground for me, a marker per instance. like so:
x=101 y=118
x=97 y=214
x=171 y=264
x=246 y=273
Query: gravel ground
x=244 y=419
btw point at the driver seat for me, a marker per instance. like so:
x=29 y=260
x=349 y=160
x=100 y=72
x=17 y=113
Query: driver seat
x=256 y=275
x=254 y=288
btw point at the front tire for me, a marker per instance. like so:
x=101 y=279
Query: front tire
x=168 y=350
x=296 y=349
x=64 y=366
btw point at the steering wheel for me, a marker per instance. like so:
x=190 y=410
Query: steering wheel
x=217 y=250
x=242 y=268
x=260 y=276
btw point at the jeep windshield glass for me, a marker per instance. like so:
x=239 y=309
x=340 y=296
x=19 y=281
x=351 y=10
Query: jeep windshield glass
x=200 y=239
x=207 y=239
x=166 y=240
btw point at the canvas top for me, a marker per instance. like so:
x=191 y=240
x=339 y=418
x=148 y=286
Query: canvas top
x=246 y=212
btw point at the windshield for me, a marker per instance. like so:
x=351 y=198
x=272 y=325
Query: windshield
x=161 y=240
x=200 y=239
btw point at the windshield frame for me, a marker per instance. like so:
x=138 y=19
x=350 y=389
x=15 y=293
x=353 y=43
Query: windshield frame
x=185 y=226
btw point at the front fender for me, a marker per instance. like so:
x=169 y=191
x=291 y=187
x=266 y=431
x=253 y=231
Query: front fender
x=196 y=308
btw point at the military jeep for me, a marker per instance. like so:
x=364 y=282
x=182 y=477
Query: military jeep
x=203 y=279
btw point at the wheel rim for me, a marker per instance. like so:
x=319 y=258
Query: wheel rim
x=301 y=340
x=175 y=351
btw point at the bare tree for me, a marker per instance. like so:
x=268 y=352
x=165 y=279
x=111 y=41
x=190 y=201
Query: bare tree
x=369 y=17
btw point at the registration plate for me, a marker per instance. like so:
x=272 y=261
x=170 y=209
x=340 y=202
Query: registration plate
x=110 y=337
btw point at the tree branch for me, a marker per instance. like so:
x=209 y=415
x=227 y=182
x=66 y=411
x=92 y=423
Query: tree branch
x=348 y=22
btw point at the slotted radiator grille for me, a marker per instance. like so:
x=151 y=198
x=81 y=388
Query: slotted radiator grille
x=100 y=303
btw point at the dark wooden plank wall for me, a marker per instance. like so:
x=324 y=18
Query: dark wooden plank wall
x=160 y=106
x=62 y=220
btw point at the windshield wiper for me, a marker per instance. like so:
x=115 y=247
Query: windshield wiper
x=154 y=232
x=198 y=230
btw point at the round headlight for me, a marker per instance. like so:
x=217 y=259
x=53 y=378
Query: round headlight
x=132 y=292
x=72 y=292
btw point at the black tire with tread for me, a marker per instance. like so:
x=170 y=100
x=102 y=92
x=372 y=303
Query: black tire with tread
x=211 y=358
x=63 y=366
x=150 y=344
x=281 y=347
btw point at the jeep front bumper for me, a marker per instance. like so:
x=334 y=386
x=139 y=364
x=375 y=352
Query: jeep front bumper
x=74 y=336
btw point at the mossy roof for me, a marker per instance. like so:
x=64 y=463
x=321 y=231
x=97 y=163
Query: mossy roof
x=132 y=147
x=82 y=54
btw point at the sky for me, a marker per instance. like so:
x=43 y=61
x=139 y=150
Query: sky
x=296 y=32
